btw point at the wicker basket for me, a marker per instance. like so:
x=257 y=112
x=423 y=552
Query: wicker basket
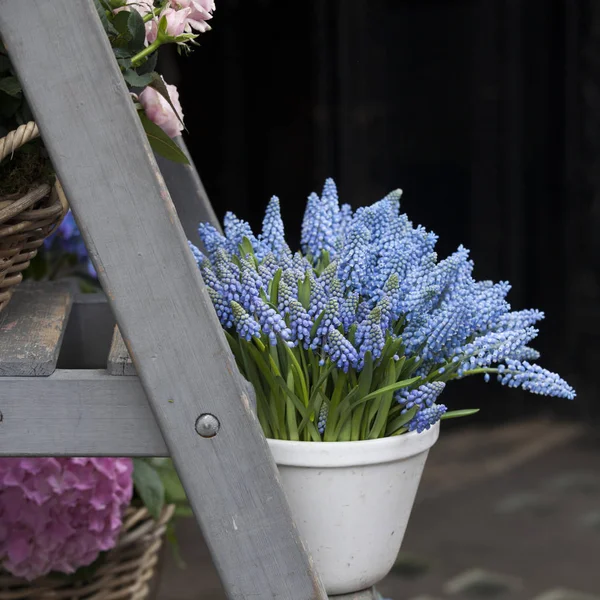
x=25 y=220
x=125 y=573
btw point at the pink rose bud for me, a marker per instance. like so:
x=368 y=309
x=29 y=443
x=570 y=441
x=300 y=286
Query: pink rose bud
x=159 y=111
x=176 y=20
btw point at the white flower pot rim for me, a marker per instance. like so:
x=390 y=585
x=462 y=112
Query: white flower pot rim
x=352 y=454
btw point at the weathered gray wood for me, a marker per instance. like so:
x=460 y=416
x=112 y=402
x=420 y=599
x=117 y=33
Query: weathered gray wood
x=188 y=194
x=366 y=595
x=89 y=333
x=32 y=328
x=138 y=246
x=119 y=361
x=77 y=412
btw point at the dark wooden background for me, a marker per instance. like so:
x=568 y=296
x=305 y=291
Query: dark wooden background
x=485 y=112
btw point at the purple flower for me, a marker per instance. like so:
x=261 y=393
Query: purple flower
x=59 y=514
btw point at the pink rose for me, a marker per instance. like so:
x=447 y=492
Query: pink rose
x=200 y=12
x=177 y=20
x=159 y=111
x=142 y=6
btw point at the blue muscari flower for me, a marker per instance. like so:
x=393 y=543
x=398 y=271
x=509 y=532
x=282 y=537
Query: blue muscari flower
x=229 y=277
x=427 y=417
x=328 y=275
x=272 y=323
x=518 y=319
x=273 y=235
x=300 y=324
x=526 y=353
x=363 y=310
x=369 y=336
x=322 y=419
x=345 y=219
x=291 y=278
x=318 y=297
x=348 y=308
x=422 y=397
x=251 y=285
x=341 y=351
x=353 y=262
x=318 y=228
x=285 y=297
x=64 y=233
x=329 y=321
x=67 y=237
x=197 y=254
x=391 y=289
x=535 y=379
x=268 y=267
x=488 y=304
x=300 y=264
x=245 y=325
x=222 y=307
x=386 y=314
x=235 y=232
x=209 y=277
x=494 y=348
x=211 y=239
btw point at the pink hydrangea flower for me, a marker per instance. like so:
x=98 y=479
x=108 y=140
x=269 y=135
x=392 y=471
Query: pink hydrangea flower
x=159 y=111
x=200 y=12
x=58 y=514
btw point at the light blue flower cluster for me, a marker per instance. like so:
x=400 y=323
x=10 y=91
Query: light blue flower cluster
x=67 y=238
x=365 y=280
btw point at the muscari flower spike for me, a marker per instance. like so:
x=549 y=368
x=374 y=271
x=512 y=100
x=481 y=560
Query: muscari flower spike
x=426 y=418
x=422 y=397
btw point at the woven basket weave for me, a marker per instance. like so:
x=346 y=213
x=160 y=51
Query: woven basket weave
x=25 y=219
x=125 y=573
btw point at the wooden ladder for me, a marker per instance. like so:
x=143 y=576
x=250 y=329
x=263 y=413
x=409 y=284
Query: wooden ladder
x=181 y=367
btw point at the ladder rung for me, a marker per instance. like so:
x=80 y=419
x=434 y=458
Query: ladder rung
x=119 y=361
x=77 y=412
x=32 y=328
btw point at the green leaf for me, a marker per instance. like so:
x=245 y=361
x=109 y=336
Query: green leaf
x=136 y=80
x=390 y=388
x=274 y=285
x=455 y=414
x=11 y=86
x=398 y=423
x=160 y=86
x=149 y=65
x=136 y=30
x=161 y=143
x=385 y=403
x=4 y=64
x=120 y=23
x=171 y=536
x=102 y=10
x=174 y=492
x=149 y=486
x=183 y=512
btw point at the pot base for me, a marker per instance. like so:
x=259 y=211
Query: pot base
x=351 y=502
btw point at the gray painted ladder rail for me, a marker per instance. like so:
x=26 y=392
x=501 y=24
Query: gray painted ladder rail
x=138 y=246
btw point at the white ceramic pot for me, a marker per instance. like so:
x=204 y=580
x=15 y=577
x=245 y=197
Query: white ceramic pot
x=351 y=502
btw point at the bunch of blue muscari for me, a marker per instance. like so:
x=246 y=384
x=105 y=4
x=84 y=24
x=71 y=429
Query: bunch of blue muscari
x=356 y=336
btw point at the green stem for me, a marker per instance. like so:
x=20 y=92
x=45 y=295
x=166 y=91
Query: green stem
x=479 y=371
x=154 y=13
x=137 y=60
